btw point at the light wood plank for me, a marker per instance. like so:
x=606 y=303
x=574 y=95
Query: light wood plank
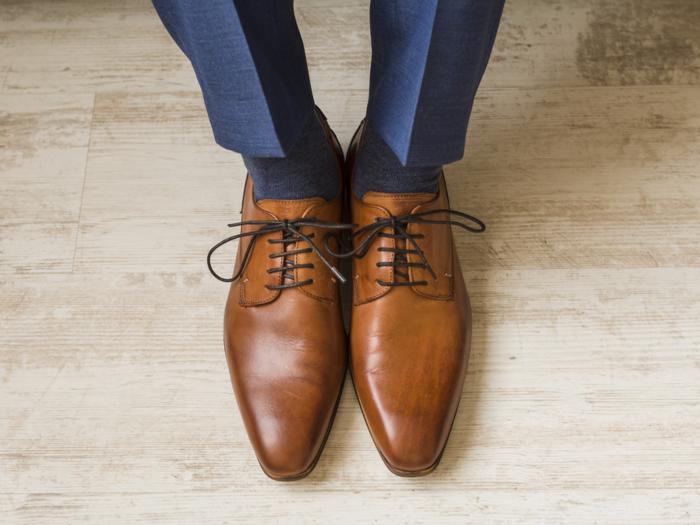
x=581 y=178
x=338 y=47
x=37 y=248
x=580 y=405
x=632 y=203
x=601 y=393
x=42 y=161
x=79 y=47
x=154 y=169
x=638 y=507
x=4 y=70
x=542 y=43
x=44 y=151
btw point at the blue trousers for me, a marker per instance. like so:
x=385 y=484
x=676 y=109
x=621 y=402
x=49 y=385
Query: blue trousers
x=428 y=57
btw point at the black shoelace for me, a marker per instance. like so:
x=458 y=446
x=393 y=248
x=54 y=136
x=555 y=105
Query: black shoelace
x=291 y=235
x=398 y=225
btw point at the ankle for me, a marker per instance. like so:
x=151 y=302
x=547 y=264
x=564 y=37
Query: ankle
x=308 y=170
x=379 y=169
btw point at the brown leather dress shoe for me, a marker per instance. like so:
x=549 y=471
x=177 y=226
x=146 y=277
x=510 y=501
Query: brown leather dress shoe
x=411 y=322
x=283 y=328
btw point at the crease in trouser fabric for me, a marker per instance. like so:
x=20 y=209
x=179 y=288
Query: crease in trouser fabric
x=250 y=63
x=429 y=128
x=308 y=170
x=401 y=33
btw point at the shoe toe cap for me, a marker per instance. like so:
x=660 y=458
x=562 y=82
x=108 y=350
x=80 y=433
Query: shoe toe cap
x=410 y=445
x=409 y=409
x=285 y=454
x=287 y=422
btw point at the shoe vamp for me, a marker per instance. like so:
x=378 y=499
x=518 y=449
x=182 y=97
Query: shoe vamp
x=409 y=357
x=287 y=361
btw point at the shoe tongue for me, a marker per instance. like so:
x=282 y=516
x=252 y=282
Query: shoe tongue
x=398 y=203
x=289 y=209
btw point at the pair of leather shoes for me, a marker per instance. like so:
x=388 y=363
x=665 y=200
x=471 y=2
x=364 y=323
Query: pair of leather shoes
x=286 y=345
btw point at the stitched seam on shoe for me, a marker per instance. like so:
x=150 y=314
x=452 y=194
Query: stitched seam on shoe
x=241 y=293
x=243 y=301
x=439 y=296
x=296 y=260
x=391 y=269
x=366 y=299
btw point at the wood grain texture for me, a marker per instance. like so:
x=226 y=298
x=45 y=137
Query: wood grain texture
x=609 y=175
x=43 y=154
x=84 y=47
x=79 y=47
x=549 y=166
x=157 y=184
x=581 y=402
x=502 y=507
x=574 y=383
x=4 y=70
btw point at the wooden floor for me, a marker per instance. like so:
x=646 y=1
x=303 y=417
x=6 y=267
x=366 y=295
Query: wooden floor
x=582 y=403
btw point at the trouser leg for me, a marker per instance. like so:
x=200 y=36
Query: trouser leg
x=249 y=59
x=428 y=58
x=250 y=63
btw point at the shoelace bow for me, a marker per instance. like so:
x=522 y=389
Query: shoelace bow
x=398 y=225
x=292 y=234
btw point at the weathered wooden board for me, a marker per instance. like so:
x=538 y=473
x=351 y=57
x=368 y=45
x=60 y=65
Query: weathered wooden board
x=43 y=154
x=581 y=403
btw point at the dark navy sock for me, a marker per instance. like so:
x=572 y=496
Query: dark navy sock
x=308 y=170
x=379 y=169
